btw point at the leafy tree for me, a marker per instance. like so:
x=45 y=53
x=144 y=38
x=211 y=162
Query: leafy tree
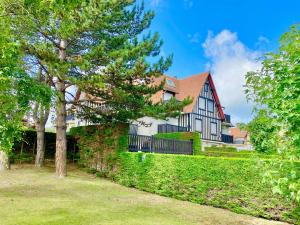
x=79 y=42
x=17 y=89
x=277 y=87
x=263 y=132
x=41 y=112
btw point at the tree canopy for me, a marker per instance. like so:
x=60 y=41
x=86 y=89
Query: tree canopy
x=97 y=46
x=276 y=88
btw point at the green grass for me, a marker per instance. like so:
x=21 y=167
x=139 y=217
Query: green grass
x=37 y=197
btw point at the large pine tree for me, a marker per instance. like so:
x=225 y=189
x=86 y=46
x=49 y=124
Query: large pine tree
x=98 y=46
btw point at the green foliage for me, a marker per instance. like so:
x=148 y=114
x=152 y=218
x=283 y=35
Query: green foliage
x=235 y=184
x=99 y=46
x=263 y=133
x=276 y=87
x=100 y=145
x=16 y=87
x=194 y=136
x=222 y=148
x=241 y=154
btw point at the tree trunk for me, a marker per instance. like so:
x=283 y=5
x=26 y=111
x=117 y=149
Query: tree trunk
x=61 y=139
x=4 y=164
x=61 y=128
x=40 y=145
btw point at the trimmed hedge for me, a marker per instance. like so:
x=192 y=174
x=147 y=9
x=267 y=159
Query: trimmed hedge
x=234 y=184
x=195 y=136
x=99 y=146
x=241 y=154
x=223 y=149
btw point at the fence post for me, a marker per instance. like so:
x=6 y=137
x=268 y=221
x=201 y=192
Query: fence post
x=151 y=143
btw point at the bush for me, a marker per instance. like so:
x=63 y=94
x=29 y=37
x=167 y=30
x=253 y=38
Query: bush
x=230 y=183
x=99 y=146
x=242 y=154
x=223 y=149
x=194 y=136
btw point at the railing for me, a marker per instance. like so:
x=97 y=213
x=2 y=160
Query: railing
x=168 y=128
x=152 y=144
x=227 y=138
x=227 y=118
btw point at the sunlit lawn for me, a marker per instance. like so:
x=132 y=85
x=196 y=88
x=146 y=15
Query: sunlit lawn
x=35 y=196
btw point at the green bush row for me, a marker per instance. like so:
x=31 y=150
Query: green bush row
x=241 y=154
x=230 y=183
x=195 y=136
x=222 y=148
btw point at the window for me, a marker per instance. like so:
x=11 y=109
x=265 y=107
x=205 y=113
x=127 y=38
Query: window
x=201 y=103
x=198 y=125
x=170 y=83
x=210 y=105
x=168 y=95
x=206 y=87
x=213 y=128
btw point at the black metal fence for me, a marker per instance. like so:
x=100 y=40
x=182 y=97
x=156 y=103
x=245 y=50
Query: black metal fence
x=152 y=144
x=168 y=128
x=227 y=138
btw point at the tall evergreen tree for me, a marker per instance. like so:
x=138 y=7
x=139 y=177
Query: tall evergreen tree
x=99 y=41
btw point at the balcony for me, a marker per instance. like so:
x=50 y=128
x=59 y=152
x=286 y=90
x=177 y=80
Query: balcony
x=168 y=128
x=227 y=138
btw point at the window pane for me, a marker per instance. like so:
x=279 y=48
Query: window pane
x=210 y=105
x=198 y=125
x=213 y=127
x=206 y=87
x=168 y=96
x=201 y=103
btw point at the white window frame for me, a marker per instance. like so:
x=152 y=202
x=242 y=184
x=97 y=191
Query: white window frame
x=204 y=103
x=200 y=120
x=211 y=130
x=208 y=102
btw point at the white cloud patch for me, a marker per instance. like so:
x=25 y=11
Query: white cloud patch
x=230 y=60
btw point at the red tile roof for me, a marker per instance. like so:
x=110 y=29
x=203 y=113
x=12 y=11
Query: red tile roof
x=236 y=132
x=188 y=87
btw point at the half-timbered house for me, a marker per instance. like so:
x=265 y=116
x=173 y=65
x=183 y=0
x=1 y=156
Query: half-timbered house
x=204 y=115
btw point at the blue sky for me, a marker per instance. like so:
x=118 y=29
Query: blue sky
x=225 y=37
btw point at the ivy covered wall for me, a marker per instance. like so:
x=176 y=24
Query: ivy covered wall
x=100 y=145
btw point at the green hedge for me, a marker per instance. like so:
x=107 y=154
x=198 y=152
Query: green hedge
x=222 y=148
x=241 y=154
x=230 y=183
x=195 y=136
x=100 y=145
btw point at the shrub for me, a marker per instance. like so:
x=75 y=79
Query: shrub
x=231 y=183
x=99 y=146
x=194 y=136
x=222 y=148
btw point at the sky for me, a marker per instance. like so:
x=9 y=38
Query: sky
x=225 y=37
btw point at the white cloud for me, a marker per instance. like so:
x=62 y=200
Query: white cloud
x=229 y=61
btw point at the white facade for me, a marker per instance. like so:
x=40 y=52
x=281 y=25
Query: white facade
x=149 y=126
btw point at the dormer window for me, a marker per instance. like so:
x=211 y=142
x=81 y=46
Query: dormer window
x=170 y=83
x=168 y=95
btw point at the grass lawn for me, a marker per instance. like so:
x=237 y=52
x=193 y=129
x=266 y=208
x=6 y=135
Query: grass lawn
x=35 y=196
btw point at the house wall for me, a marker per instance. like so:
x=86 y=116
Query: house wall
x=148 y=125
x=207 y=117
